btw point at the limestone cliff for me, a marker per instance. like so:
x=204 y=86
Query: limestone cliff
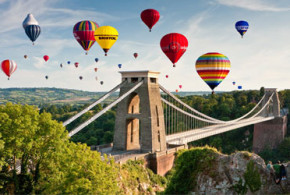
x=206 y=171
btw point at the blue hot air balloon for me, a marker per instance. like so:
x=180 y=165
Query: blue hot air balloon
x=120 y=65
x=240 y=87
x=96 y=59
x=68 y=62
x=234 y=83
x=32 y=31
x=242 y=27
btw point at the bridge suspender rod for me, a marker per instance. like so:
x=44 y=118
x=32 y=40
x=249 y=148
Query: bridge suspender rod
x=191 y=115
x=187 y=106
x=93 y=104
x=270 y=98
x=80 y=127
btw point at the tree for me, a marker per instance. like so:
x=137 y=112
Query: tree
x=39 y=158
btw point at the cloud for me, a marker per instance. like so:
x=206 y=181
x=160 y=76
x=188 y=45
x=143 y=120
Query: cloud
x=254 y=5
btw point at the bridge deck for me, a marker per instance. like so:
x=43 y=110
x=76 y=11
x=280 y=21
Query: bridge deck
x=196 y=134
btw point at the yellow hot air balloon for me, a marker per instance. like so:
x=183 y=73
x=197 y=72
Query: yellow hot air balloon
x=106 y=36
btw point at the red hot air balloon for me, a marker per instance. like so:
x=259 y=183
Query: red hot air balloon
x=176 y=90
x=180 y=86
x=174 y=45
x=166 y=76
x=96 y=69
x=46 y=57
x=150 y=17
x=135 y=55
x=8 y=67
x=76 y=64
x=84 y=33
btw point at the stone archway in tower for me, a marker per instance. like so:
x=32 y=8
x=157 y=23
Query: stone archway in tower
x=133 y=123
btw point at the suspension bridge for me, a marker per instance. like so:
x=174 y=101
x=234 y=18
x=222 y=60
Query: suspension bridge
x=150 y=119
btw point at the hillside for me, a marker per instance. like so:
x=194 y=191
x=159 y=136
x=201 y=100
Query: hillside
x=37 y=96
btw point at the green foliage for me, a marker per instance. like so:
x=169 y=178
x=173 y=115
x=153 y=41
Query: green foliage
x=134 y=172
x=50 y=164
x=252 y=177
x=240 y=187
x=187 y=166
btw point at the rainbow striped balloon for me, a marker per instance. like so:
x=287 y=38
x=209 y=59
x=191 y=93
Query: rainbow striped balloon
x=213 y=68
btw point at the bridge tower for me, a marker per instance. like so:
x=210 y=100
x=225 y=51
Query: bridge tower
x=139 y=118
x=270 y=133
x=274 y=106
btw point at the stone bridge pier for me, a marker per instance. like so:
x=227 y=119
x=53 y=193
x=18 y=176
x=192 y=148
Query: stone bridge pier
x=271 y=133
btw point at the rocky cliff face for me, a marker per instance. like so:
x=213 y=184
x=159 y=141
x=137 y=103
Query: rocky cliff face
x=204 y=170
x=230 y=176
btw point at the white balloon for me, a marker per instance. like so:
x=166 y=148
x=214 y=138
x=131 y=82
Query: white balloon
x=29 y=20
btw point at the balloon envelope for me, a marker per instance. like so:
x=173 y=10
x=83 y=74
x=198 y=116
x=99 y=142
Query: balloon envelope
x=106 y=36
x=46 y=77
x=242 y=27
x=80 y=77
x=166 y=76
x=240 y=87
x=150 y=17
x=180 y=86
x=29 y=20
x=46 y=57
x=213 y=68
x=174 y=45
x=76 y=64
x=234 y=83
x=68 y=62
x=96 y=69
x=96 y=59
x=8 y=67
x=25 y=56
x=135 y=55
x=102 y=82
x=83 y=32
x=32 y=31
x=120 y=65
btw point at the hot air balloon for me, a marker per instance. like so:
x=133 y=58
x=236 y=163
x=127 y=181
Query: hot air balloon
x=240 y=87
x=96 y=59
x=46 y=57
x=81 y=78
x=180 y=86
x=84 y=33
x=166 y=76
x=61 y=65
x=242 y=27
x=234 y=83
x=213 y=68
x=25 y=56
x=8 y=67
x=31 y=27
x=32 y=31
x=96 y=69
x=46 y=77
x=120 y=65
x=68 y=62
x=76 y=64
x=96 y=78
x=176 y=90
x=102 y=82
x=150 y=17
x=106 y=36
x=135 y=55
x=174 y=45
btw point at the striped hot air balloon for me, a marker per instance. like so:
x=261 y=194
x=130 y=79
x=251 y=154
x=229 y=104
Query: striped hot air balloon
x=84 y=33
x=8 y=67
x=213 y=68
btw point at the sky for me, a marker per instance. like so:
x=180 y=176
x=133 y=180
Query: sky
x=261 y=58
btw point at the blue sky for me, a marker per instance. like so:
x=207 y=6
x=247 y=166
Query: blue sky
x=261 y=58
